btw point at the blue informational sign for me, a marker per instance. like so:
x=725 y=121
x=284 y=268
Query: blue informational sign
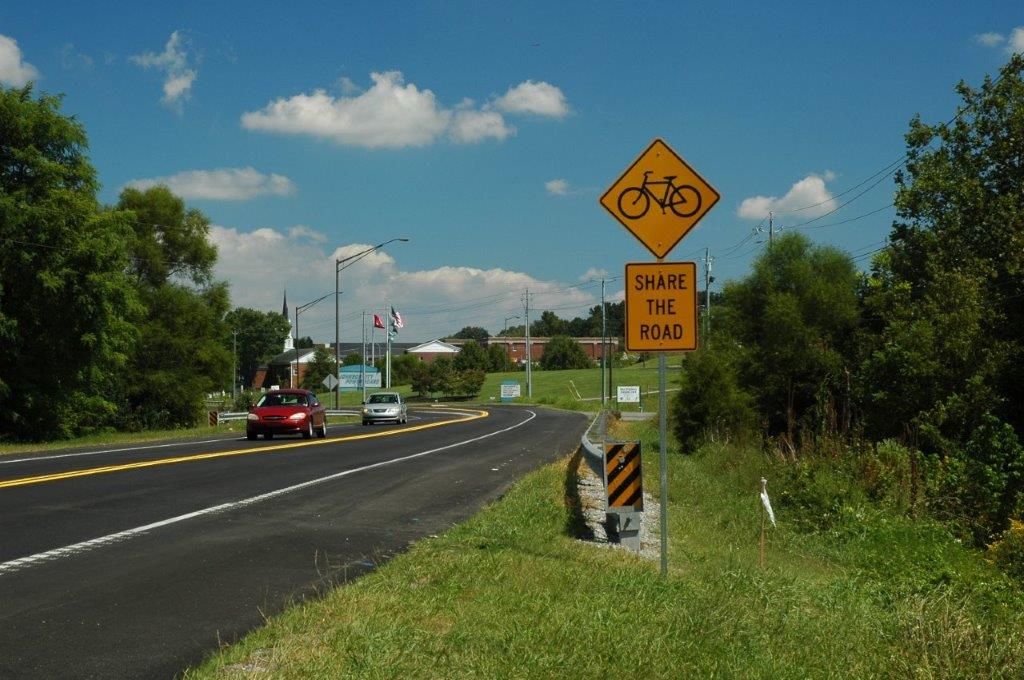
x=510 y=390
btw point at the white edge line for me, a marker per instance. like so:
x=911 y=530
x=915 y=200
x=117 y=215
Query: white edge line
x=78 y=548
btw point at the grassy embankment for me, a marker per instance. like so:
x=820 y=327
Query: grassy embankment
x=510 y=594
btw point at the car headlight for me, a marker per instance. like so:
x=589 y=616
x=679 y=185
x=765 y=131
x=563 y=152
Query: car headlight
x=252 y=416
x=297 y=416
x=366 y=410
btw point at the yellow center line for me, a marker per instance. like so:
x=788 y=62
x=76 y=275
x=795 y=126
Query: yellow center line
x=71 y=474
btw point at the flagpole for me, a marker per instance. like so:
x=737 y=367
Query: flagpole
x=362 y=360
x=391 y=324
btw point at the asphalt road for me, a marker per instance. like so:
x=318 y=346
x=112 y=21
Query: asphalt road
x=134 y=563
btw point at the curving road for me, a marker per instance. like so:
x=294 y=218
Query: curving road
x=134 y=562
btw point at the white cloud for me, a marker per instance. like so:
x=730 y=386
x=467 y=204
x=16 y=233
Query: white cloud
x=810 y=191
x=347 y=86
x=73 y=59
x=396 y=114
x=989 y=39
x=14 y=70
x=1015 y=45
x=389 y=114
x=173 y=61
x=260 y=264
x=474 y=126
x=540 y=98
x=557 y=187
x=222 y=184
x=593 y=274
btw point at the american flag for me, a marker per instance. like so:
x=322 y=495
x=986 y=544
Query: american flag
x=397 y=318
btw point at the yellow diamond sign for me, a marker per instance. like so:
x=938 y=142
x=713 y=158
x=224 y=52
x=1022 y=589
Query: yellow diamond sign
x=659 y=198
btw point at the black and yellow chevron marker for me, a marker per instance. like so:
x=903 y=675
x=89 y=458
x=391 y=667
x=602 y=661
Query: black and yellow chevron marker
x=623 y=477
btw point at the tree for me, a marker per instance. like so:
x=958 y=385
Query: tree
x=260 y=337
x=470 y=357
x=473 y=333
x=795 y=317
x=321 y=366
x=548 y=325
x=352 y=359
x=497 y=359
x=65 y=301
x=305 y=342
x=402 y=368
x=941 y=348
x=563 y=352
x=180 y=353
x=710 y=402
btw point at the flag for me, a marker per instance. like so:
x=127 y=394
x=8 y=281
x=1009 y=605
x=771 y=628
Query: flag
x=766 y=502
x=377 y=321
x=397 y=318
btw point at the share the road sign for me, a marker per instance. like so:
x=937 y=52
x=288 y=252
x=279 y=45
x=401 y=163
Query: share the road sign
x=659 y=198
x=661 y=306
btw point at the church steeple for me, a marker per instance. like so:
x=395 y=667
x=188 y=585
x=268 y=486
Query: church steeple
x=289 y=344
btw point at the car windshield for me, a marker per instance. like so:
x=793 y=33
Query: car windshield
x=282 y=400
x=383 y=398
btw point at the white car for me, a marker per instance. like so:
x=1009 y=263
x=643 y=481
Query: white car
x=385 y=407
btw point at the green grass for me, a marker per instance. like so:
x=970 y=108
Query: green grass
x=510 y=595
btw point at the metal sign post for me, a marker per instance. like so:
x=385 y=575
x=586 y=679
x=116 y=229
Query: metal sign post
x=660 y=199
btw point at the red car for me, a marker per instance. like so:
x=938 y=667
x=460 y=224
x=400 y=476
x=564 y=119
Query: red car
x=287 y=412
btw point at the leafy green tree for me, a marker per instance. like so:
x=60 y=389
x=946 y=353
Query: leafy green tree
x=942 y=355
x=473 y=333
x=180 y=353
x=514 y=331
x=260 y=336
x=170 y=240
x=795 y=318
x=65 y=301
x=305 y=342
x=710 y=403
x=352 y=359
x=443 y=378
x=497 y=359
x=562 y=352
x=469 y=382
x=470 y=357
x=402 y=368
x=548 y=325
x=319 y=367
x=179 y=356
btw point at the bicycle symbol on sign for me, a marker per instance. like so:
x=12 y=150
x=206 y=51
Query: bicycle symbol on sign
x=683 y=200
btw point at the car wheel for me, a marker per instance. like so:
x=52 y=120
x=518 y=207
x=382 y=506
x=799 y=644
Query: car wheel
x=250 y=435
x=268 y=435
x=322 y=430
x=365 y=423
x=308 y=432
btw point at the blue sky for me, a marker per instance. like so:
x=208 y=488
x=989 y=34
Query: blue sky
x=489 y=130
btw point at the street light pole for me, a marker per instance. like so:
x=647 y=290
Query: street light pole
x=302 y=308
x=234 y=364
x=348 y=261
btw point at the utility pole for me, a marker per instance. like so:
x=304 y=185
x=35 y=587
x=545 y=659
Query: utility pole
x=362 y=361
x=337 y=333
x=771 y=228
x=604 y=346
x=234 y=364
x=529 y=348
x=708 y=261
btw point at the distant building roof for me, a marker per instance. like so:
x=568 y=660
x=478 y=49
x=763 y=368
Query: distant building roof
x=433 y=347
x=285 y=358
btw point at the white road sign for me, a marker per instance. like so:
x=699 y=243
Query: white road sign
x=330 y=381
x=351 y=380
x=628 y=394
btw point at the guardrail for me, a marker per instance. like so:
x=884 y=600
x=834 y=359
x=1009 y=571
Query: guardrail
x=225 y=416
x=592 y=443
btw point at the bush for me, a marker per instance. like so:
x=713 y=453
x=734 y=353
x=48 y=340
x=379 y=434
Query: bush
x=563 y=352
x=711 y=403
x=1008 y=551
